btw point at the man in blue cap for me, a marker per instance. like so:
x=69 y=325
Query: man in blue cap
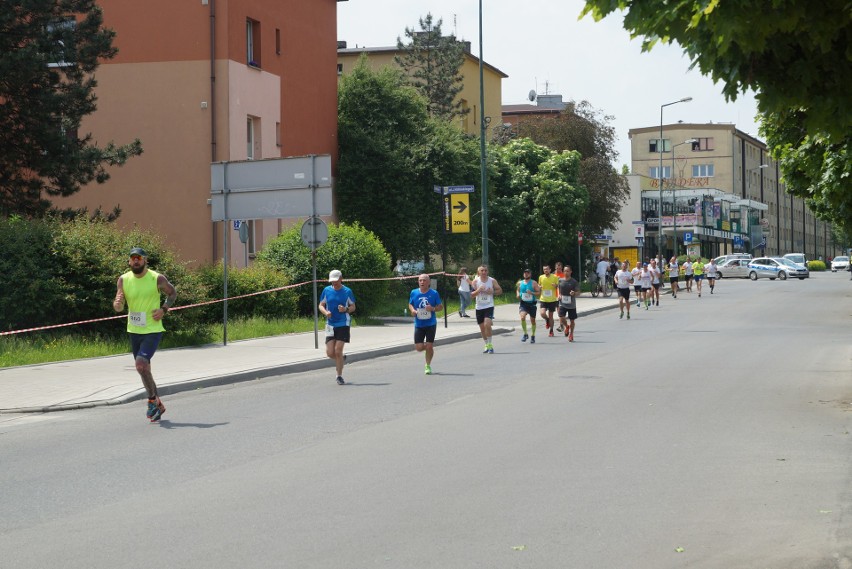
x=141 y=288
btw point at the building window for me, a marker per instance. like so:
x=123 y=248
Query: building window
x=277 y=41
x=253 y=43
x=654 y=172
x=340 y=69
x=61 y=33
x=250 y=138
x=702 y=144
x=251 y=240
x=703 y=171
x=654 y=144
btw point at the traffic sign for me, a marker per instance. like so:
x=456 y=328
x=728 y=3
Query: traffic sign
x=456 y=213
x=314 y=232
x=687 y=237
x=580 y=237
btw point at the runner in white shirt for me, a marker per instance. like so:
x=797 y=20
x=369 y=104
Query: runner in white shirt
x=484 y=289
x=623 y=278
x=687 y=274
x=711 y=274
x=636 y=273
x=673 y=276
x=656 y=281
x=645 y=279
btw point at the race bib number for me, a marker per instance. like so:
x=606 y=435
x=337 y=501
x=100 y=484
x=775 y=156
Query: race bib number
x=139 y=319
x=527 y=297
x=566 y=300
x=329 y=330
x=547 y=294
x=423 y=314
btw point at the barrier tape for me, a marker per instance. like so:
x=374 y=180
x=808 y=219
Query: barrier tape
x=77 y=323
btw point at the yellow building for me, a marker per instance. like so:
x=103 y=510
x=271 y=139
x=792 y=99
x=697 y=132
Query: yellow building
x=492 y=79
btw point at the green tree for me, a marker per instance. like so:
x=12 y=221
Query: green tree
x=536 y=206
x=582 y=128
x=795 y=54
x=49 y=51
x=432 y=62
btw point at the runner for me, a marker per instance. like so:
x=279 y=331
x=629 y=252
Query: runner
x=710 y=270
x=337 y=304
x=698 y=269
x=623 y=278
x=636 y=279
x=423 y=303
x=141 y=288
x=484 y=289
x=688 y=274
x=673 y=276
x=547 y=305
x=656 y=281
x=526 y=291
x=560 y=274
x=569 y=289
x=645 y=279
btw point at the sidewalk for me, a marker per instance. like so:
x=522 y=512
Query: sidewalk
x=113 y=380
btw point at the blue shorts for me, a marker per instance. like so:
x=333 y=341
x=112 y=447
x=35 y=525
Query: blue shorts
x=144 y=345
x=699 y=277
x=528 y=307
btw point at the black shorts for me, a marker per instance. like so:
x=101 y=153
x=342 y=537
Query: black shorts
x=688 y=278
x=483 y=313
x=341 y=334
x=637 y=288
x=528 y=307
x=571 y=313
x=657 y=285
x=548 y=305
x=425 y=334
x=624 y=292
x=672 y=280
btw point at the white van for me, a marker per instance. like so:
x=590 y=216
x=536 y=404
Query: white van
x=799 y=259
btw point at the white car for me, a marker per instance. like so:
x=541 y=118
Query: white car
x=775 y=268
x=733 y=268
x=840 y=264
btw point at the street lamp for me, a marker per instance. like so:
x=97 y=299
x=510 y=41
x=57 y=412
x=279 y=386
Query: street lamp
x=482 y=163
x=660 y=149
x=674 y=196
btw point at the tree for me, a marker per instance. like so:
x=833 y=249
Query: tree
x=432 y=62
x=795 y=54
x=49 y=51
x=391 y=156
x=582 y=128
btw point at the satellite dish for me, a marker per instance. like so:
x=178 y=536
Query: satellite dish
x=531 y=95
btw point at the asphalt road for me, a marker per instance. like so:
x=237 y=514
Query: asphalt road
x=708 y=432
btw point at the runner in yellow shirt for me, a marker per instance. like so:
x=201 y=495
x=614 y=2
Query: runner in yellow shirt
x=548 y=299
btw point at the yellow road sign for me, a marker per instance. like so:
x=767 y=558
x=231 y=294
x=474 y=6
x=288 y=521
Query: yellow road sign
x=457 y=213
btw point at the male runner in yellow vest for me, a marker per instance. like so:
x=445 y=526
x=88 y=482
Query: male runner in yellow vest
x=141 y=287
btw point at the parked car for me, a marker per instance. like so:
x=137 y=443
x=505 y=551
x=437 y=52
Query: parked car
x=733 y=268
x=798 y=258
x=775 y=268
x=722 y=259
x=840 y=264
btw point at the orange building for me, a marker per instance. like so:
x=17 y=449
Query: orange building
x=209 y=81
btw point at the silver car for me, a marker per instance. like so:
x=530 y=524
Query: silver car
x=733 y=268
x=775 y=268
x=840 y=264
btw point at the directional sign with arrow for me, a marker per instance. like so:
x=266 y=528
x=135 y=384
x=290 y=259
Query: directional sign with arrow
x=457 y=213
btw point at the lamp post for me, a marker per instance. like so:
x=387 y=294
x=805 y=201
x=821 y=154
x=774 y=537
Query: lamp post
x=482 y=162
x=660 y=149
x=674 y=196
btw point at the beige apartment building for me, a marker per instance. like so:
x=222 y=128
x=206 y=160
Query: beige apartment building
x=492 y=80
x=721 y=187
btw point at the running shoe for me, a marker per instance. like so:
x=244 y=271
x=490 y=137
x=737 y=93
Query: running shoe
x=532 y=339
x=159 y=409
x=490 y=348
x=428 y=370
x=546 y=324
x=566 y=332
x=340 y=380
x=152 y=405
x=628 y=315
x=570 y=337
x=622 y=315
x=524 y=338
x=485 y=349
x=559 y=329
x=551 y=333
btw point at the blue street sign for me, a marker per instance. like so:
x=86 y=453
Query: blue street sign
x=738 y=240
x=687 y=237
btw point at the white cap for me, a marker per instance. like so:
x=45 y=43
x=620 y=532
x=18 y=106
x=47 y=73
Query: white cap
x=334 y=276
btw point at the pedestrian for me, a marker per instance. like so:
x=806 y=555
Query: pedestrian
x=688 y=274
x=601 y=270
x=527 y=291
x=623 y=278
x=547 y=305
x=141 y=288
x=463 y=282
x=337 y=304
x=569 y=289
x=484 y=289
x=645 y=279
x=636 y=279
x=710 y=271
x=673 y=276
x=656 y=281
x=424 y=302
x=698 y=270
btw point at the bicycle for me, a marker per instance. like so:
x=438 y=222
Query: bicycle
x=597 y=287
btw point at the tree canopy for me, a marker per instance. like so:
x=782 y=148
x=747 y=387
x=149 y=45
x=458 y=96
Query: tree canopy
x=797 y=56
x=432 y=62
x=49 y=51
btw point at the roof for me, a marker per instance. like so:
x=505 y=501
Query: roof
x=529 y=110
x=395 y=50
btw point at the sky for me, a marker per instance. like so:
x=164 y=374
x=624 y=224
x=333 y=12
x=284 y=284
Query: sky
x=541 y=45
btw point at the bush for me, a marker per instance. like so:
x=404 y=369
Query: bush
x=356 y=252
x=256 y=278
x=816 y=265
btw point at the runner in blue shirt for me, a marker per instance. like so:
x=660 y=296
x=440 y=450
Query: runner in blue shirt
x=337 y=304
x=423 y=303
